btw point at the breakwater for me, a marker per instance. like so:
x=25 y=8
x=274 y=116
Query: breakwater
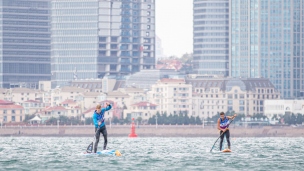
x=152 y=131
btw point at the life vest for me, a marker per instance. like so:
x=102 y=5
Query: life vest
x=224 y=122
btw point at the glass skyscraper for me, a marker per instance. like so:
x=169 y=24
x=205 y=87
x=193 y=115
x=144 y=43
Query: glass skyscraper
x=74 y=40
x=211 y=37
x=25 y=43
x=267 y=41
x=94 y=38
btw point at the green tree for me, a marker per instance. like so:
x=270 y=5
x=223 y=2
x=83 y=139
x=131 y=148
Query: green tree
x=293 y=119
x=139 y=119
x=88 y=121
x=275 y=117
x=29 y=117
x=170 y=119
x=198 y=121
x=186 y=118
x=299 y=119
x=51 y=120
x=115 y=120
x=287 y=118
x=63 y=119
x=180 y=120
x=152 y=120
x=192 y=120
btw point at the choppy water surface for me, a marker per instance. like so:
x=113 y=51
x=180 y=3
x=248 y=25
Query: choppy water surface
x=54 y=153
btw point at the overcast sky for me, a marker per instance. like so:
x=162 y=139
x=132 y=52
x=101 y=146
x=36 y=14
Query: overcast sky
x=174 y=26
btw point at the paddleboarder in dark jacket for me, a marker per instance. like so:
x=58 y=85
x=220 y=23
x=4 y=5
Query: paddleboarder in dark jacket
x=100 y=127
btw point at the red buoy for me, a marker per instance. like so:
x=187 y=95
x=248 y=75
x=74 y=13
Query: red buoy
x=133 y=134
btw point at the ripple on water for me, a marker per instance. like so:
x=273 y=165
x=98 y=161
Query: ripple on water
x=54 y=153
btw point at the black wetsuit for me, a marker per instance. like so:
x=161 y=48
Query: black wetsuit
x=227 y=134
x=102 y=130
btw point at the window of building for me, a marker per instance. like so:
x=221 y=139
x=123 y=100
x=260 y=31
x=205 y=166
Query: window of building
x=13 y=112
x=242 y=102
x=230 y=102
x=230 y=108
x=13 y=118
x=114 y=39
x=102 y=39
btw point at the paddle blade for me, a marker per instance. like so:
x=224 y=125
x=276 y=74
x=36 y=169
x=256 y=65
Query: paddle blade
x=217 y=147
x=90 y=148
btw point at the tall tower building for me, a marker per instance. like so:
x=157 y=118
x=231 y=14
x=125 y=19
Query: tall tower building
x=74 y=40
x=211 y=37
x=25 y=43
x=95 y=38
x=267 y=41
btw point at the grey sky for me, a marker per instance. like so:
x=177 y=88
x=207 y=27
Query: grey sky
x=174 y=25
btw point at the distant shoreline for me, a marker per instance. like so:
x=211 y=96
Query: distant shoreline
x=151 y=131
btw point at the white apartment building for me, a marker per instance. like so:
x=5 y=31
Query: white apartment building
x=172 y=96
x=243 y=96
x=280 y=107
x=145 y=110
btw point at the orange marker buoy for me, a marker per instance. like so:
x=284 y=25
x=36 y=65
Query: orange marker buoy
x=133 y=134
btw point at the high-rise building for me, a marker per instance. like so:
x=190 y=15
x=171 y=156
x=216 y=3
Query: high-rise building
x=94 y=38
x=25 y=43
x=211 y=37
x=267 y=41
x=74 y=40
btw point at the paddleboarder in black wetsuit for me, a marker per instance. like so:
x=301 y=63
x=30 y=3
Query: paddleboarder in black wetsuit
x=100 y=127
x=222 y=125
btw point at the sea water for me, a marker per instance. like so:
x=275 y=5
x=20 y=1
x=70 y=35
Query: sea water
x=64 y=153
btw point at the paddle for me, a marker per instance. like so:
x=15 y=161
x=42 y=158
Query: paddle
x=220 y=136
x=90 y=147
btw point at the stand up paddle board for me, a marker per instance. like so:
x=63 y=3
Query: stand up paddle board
x=226 y=151
x=105 y=152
